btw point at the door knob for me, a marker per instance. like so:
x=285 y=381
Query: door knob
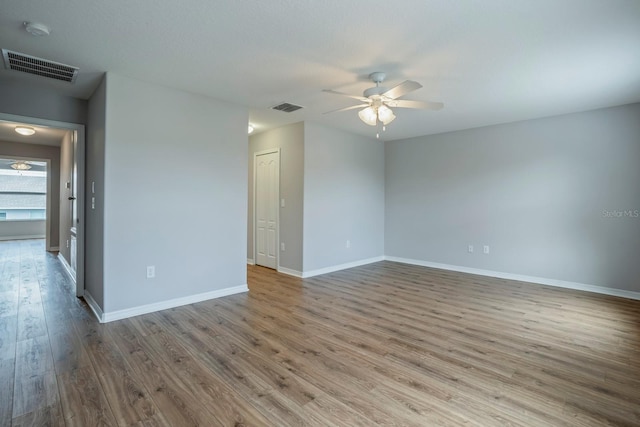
x=71 y=198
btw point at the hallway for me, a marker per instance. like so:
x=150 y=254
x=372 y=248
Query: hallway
x=37 y=310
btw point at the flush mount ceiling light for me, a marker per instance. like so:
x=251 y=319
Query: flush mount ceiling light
x=251 y=129
x=36 y=29
x=20 y=165
x=377 y=101
x=24 y=130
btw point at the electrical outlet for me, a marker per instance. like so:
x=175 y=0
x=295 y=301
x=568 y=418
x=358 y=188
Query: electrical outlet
x=348 y=244
x=151 y=271
x=470 y=248
x=486 y=249
x=282 y=246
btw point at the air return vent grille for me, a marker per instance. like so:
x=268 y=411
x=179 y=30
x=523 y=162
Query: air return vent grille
x=286 y=107
x=38 y=66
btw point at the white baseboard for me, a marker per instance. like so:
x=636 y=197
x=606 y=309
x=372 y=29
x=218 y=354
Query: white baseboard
x=250 y=261
x=93 y=305
x=522 y=278
x=54 y=249
x=23 y=237
x=164 y=305
x=290 y=272
x=339 y=267
x=67 y=268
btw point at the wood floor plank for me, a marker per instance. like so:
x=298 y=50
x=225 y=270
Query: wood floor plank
x=8 y=335
x=83 y=400
x=33 y=357
x=35 y=393
x=7 y=369
x=169 y=392
x=210 y=391
x=68 y=352
x=31 y=321
x=50 y=415
x=126 y=393
x=9 y=304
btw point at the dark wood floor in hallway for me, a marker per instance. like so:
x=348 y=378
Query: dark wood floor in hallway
x=383 y=344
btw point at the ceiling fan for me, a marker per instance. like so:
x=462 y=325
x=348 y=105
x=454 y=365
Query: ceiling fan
x=377 y=101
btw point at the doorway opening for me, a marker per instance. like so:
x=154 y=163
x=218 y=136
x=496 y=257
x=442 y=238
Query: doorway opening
x=60 y=146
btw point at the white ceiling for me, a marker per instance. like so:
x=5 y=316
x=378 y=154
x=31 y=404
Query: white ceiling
x=490 y=61
x=44 y=135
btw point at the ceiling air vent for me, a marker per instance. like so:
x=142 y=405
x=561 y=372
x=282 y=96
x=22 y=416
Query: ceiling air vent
x=38 y=66
x=286 y=107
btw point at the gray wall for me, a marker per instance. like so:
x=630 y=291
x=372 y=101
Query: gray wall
x=290 y=140
x=175 y=194
x=24 y=100
x=66 y=170
x=14 y=230
x=343 y=197
x=536 y=191
x=94 y=222
x=42 y=152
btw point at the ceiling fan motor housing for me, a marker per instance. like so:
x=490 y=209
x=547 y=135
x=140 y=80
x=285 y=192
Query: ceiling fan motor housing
x=373 y=91
x=377 y=77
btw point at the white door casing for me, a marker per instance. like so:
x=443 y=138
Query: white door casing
x=73 y=199
x=266 y=196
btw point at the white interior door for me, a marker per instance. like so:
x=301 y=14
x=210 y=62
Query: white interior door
x=267 y=181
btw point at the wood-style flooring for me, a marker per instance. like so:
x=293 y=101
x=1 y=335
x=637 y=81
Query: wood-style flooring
x=383 y=344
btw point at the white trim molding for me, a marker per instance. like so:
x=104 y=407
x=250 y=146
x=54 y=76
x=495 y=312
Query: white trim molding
x=54 y=249
x=67 y=268
x=521 y=278
x=250 y=261
x=93 y=305
x=290 y=272
x=339 y=267
x=111 y=316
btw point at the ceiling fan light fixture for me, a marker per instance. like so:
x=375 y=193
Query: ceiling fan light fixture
x=24 y=130
x=385 y=114
x=369 y=116
x=20 y=165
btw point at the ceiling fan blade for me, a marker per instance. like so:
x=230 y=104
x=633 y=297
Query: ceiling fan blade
x=402 y=103
x=353 y=107
x=359 y=98
x=402 y=89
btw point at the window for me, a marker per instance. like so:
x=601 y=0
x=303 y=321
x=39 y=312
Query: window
x=23 y=194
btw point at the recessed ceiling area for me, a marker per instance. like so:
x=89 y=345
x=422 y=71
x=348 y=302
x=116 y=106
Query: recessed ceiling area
x=44 y=135
x=489 y=62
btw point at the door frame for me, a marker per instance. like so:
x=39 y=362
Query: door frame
x=80 y=159
x=255 y=182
